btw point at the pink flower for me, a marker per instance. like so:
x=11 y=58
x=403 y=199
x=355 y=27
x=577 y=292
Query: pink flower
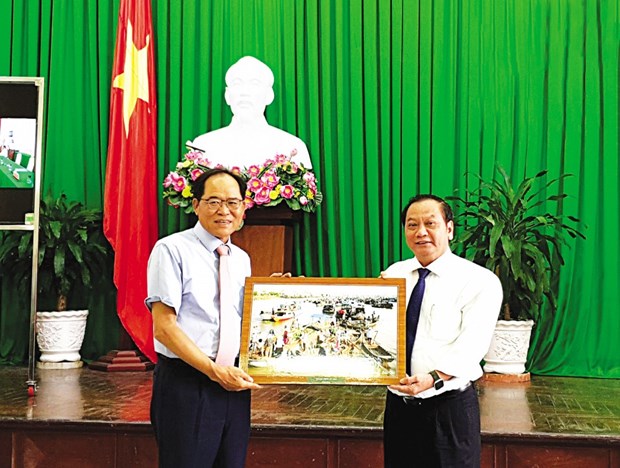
x=293 y=152
x=195 y=173
x=287 y=191
x=249 y=203
x=193 y=155
x=281 y=158
x=262 y=196
x=303 y=200
x=270 y=179
x=203 y=161
x=168 y=180
x=178 y=182
x=309 y=177
x=235 y=170
x=254 y=184
x=253 y=170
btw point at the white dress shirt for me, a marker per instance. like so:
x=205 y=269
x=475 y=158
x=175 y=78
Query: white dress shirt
x=183 y=273
x=459 y=311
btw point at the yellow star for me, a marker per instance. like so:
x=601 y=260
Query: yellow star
x=134 y=80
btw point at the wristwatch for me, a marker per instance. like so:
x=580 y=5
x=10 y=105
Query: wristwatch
x=437 y=381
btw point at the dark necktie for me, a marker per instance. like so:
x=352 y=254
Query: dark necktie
x=413 y=313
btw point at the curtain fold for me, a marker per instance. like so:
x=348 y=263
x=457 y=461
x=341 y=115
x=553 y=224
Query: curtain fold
x=392 y=98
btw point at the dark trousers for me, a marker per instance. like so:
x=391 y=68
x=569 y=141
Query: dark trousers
x=197 y=423
x=442 y=431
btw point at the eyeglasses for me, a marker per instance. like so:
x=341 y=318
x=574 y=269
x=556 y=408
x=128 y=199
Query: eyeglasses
x=214 y=204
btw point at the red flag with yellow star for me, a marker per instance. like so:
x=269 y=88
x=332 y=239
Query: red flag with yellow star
x=130 y=202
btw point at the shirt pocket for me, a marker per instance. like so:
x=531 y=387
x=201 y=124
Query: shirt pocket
x=445 y=321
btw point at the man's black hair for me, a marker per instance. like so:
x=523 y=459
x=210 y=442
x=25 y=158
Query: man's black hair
x=198 y=185
x=447 y=211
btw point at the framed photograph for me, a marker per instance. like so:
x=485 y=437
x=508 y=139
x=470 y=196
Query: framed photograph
x=324 y=330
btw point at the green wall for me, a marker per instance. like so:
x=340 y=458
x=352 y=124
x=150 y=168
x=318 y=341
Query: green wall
x=391 y=97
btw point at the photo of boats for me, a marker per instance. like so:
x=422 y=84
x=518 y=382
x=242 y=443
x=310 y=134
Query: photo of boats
x=323 y=330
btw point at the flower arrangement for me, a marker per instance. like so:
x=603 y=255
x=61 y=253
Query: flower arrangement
x=274 y=181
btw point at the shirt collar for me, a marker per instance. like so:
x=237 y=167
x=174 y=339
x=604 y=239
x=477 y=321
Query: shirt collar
x=439 y=267
x=209 y=240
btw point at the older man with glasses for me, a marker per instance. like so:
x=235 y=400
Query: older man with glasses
x=200 y=407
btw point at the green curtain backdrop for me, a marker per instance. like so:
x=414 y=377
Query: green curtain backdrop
x=392 y=98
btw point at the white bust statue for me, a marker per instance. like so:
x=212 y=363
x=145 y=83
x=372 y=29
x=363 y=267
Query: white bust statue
x=249 y=139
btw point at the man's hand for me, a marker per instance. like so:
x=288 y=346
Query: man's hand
x=281 y=275
x=233 y=379
x=414 y=384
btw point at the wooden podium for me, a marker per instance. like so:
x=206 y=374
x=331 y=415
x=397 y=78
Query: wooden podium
x=267 y=237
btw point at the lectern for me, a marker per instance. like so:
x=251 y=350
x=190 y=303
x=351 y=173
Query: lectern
x=267 y=237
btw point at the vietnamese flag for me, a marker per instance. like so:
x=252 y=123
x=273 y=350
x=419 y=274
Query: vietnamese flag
x=130 y=202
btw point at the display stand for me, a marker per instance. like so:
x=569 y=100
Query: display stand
x=122 y=361
x=127 y=359
x=22 y=98
x=267 y=237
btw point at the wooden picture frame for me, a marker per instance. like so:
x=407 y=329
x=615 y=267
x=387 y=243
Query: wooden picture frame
x=324 y=330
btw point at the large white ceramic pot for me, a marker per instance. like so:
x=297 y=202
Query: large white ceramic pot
x=60 y=336
x=508 y=351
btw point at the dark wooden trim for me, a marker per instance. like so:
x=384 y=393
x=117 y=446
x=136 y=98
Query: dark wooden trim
x=279 y=215
x=133 y=444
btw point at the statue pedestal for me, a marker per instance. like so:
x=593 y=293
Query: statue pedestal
x=267 y=237
x=122 y=361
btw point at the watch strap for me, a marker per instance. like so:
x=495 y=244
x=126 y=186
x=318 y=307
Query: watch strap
x=437 y=381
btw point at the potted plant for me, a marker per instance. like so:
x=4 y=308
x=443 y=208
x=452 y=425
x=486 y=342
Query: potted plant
x=506 y=230
x=72 y=251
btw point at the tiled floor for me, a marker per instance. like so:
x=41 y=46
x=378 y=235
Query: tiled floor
x=558 y=406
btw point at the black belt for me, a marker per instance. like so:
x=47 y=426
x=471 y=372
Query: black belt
x=413 y=401
x=173 y=361
x=181 y=362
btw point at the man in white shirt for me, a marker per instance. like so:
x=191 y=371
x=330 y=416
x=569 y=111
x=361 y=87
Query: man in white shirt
x=432 y=418
x=249 y=139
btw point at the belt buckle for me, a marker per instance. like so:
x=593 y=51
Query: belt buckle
x=411 y=401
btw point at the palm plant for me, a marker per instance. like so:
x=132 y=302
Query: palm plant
x=505 y=231
x=72 y=249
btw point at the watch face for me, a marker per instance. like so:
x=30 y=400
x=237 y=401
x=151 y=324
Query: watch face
x=438 y=384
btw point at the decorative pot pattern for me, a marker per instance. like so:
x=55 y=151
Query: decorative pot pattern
x=508 y=351
x=60 y=335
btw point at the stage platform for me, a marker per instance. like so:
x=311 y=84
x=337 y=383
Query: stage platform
x=87 y=418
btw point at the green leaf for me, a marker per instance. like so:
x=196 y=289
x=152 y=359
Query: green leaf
x=55 y=227
x=496 y=233
x=75 y=250
x=294 y=204
x=59 y=263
